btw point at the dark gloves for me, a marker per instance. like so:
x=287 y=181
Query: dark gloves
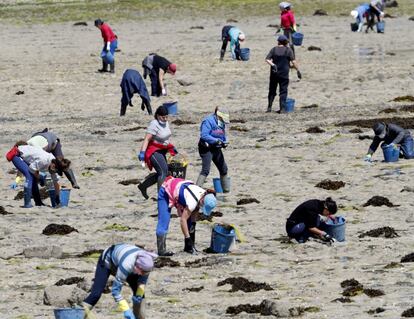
x=299 y=75
x=328 y=238
x=274 y=68
x=222 y=144
x=189 y=246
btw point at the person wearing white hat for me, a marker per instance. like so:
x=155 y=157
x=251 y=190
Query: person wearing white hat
x=213 y=139
x=287 y=22
x=129 y=264
x=235 y=36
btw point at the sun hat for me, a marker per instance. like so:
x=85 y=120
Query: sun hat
x=210 y=203
x=354 y=14
x=224 y=115
x=284 y=5
x=145 y=260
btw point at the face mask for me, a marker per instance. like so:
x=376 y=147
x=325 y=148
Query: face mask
x=220 y=124
x=162 y=122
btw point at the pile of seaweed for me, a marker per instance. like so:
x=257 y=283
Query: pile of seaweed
x=243 y=284
x=330 y=185
x=386 y=232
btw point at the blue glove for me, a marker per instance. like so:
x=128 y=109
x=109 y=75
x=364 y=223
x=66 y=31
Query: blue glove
x=13 y=185
x=136 y=300
x=128 y=314
x=141 y=156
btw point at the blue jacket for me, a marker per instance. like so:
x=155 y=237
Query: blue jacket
x=132 y=82
x=210 y=132
x=362 y=10
x=234 y=40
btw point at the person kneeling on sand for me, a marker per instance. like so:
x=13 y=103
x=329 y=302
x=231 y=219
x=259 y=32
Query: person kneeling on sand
x=131 y=83
x=188 y=199
x=235 y=36
x=31 y=161
x=49 y=142
x=128 y=263
x=391 y=134
x=213 y=139
x=305 y=221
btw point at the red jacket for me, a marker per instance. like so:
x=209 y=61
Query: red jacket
x=287 y=19
x=107 y=33
x=152 y=148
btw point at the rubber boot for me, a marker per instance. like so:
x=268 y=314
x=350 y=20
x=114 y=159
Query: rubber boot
x=149 y=109
x=71 y=177
x=139 y=309
x=225 y=183
x=189 y=246
x=88 y=311
x=200 y=180
x=192 y=231
x=270 y=103
x=150 y=180
x=112 y=67
x=162 y=246
x=104 y=67
x=36 y=198
x=222 y=52
x=27 y=192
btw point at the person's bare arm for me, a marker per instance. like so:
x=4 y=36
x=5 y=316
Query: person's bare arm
x=145 y=142
x=183 y=222
x=161 y=78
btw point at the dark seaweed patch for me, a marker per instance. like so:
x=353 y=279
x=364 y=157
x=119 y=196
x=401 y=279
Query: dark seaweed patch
x=197 y=27
x=43 y=194
x=194 y=289
x=408 y=258
x=315 y=129
x=386 y=232
x=311 y=106
x=355 y=130
x=131 y=129
x=409 y=313
x=243 y=284
x=90 y=252
x=375 y=311
x=19 y=92
x=407 y=108
x=388 y=110
x=56 y=229
x=238 y=121
x=248 y=308
x=405 y=98
x=81 y=23
x=373 y=292
x=69 y=281
x=239 y=129
x=350 y=283
x=166 y=262
x=378 y=201
x=179 y=122
x=353 y=291
x=201 y=217
x=330 y=185
x=343 y=300
x=132 y=181
x=320 y=12
x=99 y=133
x=314 y=48
x=245 y=201
x=406 y=122
x=3 y=211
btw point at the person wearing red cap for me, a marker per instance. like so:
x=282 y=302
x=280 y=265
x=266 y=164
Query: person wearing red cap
x=157 y=70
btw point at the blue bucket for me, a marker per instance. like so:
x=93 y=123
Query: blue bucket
x=217 y=185
x=391 y=152
x=336 y=229
x=289 y=105
x=107 y=57
x=221 y=238
x=69 y=313
x=64 y=197
x=172 y=107
x=245 y=54
x=381 y=26
x=297 y=38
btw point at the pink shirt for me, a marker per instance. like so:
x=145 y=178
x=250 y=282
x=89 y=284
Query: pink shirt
x=287 y=19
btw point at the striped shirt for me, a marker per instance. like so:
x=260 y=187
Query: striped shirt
x=121 y=261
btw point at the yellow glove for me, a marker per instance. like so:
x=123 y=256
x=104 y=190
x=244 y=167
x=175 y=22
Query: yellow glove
x=239 y=235
x=140 y=291
x=123 y=305
x=88 y=311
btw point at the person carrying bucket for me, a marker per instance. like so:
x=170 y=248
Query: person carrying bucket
x=235 y=36
x=305 y=221
x=49 y=142
x=157 y=66
x=110 y=44
x=154 y=149
x=391 y=134
x=213 y=139
x=129 y=264
x=131 y=83
x=376 y=8
x=287 y=22
x=188 y=199
x=31 y=161
x=280 y=58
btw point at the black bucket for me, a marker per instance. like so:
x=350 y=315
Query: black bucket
x=177 y=170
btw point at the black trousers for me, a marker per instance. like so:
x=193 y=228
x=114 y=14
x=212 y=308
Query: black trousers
x=208 y=154
x=155 y=84
x=283 y=83
x=226 y=38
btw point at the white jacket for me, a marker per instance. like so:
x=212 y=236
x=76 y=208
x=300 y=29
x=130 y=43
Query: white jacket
x=36 y=158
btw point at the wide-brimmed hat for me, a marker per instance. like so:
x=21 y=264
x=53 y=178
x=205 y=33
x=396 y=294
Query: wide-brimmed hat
x=224 y=115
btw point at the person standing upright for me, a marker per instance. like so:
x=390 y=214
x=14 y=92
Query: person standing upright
x=280 y=59
x=110 y=44
x=287 y=22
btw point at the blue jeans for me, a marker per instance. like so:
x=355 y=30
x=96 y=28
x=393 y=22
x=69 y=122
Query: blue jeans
x=164 y=213
x=300 y=231
x=407 y=147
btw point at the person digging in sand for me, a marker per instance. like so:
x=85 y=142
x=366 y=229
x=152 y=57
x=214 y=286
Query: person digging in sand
x=154 y=149
x=235 y=36
x=129 y=264
x=157 y=66
x=188 y=199
x=213 y=139
x=49 y=142
x=31 y=161
x=280 y=59
x=305 y=221
x=131 y=83
x=391 y=134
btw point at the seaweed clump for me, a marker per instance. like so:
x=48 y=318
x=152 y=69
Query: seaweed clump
x=330 y=185
x=243 y=284
x=386 y=232
x=56 y=229
x=378 y=201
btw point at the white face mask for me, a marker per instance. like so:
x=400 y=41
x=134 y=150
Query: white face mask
x=220 y=123
x=162 y=122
